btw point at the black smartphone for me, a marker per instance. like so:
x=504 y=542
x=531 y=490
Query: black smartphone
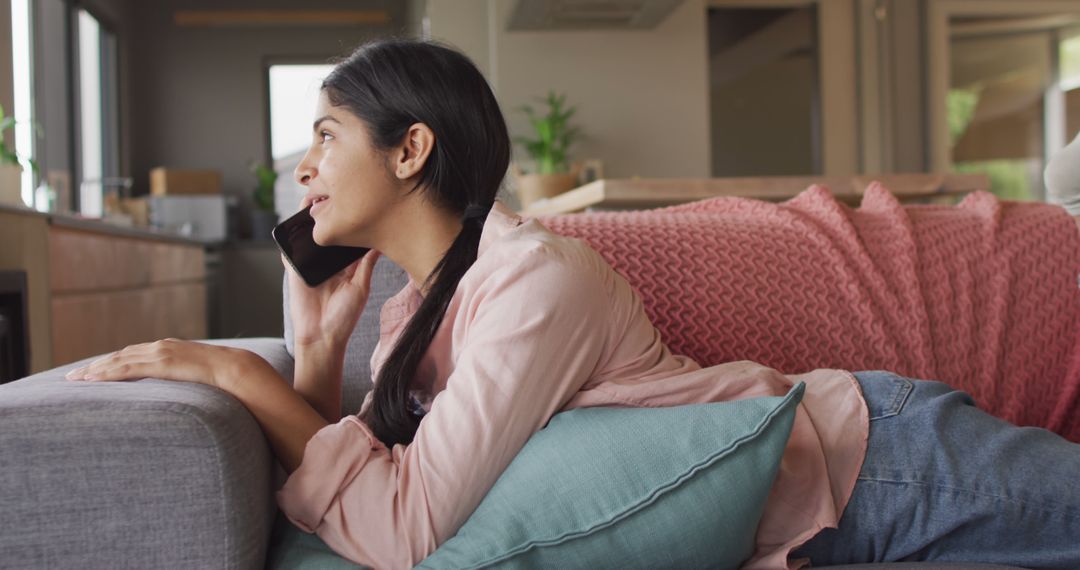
x=314 y=263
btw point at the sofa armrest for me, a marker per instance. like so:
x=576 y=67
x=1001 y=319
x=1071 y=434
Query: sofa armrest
x=148 y=473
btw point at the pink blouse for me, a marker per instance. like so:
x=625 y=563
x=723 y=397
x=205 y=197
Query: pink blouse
x=542 y=324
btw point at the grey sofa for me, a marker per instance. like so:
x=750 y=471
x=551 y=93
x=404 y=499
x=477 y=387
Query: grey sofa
x=155 y=473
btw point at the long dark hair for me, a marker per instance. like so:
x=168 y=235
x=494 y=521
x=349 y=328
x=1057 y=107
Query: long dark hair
x=390 y=84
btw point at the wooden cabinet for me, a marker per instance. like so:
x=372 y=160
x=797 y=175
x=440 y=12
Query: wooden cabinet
x=94 y=289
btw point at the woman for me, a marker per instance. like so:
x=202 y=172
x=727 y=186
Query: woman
x=504 y=324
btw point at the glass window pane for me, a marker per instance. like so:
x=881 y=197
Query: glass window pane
x=90 y=120
x=294 y=91
x=23 y=111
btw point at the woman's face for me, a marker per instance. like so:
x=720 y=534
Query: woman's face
x=343 y=166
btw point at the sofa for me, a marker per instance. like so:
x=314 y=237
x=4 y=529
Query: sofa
x=161 y=474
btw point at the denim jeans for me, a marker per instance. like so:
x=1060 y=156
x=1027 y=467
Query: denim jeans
x=945 y=481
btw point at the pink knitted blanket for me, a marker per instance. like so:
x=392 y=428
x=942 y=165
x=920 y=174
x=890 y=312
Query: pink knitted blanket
x=982 y=295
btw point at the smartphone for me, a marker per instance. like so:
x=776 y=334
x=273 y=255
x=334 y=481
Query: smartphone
x=314 y=263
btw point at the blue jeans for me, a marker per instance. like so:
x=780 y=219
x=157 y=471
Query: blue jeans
x=945 y=481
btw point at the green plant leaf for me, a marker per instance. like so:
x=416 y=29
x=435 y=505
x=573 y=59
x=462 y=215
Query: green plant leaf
x=6 y=156
x=553 y=132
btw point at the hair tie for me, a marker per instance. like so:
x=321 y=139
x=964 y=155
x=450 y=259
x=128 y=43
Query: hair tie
x=475 y=212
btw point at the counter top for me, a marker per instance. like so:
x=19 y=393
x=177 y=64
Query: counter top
x=76 y=221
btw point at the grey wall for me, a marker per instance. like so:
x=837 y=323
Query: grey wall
x=760 y=128
x=198 y=94
x=763 y=115
x=7 y=71
x=9 y=175
x=7 y=96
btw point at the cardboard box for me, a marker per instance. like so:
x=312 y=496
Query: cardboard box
x=172 y=182
x=138 y=209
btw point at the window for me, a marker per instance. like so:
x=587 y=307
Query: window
x=23 y=112
x=97 y=106
x=1011 y=91
x=293 y=93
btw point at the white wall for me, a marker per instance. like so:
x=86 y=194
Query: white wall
x=642 y=96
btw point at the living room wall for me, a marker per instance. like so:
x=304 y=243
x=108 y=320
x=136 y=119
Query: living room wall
x=641 y=95
x=198 y=96
x=7 y=95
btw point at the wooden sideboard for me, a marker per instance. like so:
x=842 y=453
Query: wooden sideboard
x=94 y=288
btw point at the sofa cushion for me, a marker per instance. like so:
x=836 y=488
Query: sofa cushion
x=672 y=487
x=387 y=279
x=144 y=474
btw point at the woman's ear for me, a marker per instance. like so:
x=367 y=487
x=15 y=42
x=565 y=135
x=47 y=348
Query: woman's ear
x=414 y=151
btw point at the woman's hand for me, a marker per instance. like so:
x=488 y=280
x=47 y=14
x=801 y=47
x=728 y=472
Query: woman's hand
x=168 y=359
x=327 y=314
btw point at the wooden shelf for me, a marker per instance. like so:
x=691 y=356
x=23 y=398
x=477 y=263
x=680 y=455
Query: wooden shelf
x=633 y=194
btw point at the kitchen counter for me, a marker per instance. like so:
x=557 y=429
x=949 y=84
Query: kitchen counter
x=79 y=222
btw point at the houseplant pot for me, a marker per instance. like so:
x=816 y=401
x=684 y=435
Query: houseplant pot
x=534 y=186
x=262 y=224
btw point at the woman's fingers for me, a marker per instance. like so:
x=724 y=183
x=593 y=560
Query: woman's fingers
x=285 y=263
x=131 y=362
x=166 y=359
x=129 y=367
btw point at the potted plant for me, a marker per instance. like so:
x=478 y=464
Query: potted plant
x=10 y=164
x=263 y=217
x=554 y=173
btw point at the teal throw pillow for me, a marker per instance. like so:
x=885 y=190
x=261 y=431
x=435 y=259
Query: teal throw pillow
x=293 y=549
x=617 y=487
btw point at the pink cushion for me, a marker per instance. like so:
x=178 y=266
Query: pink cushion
x=982 y=295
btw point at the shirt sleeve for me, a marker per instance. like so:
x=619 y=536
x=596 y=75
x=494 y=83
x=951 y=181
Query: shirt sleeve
x=535 y=334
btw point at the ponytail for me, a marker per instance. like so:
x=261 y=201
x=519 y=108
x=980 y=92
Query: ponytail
x=388 y=419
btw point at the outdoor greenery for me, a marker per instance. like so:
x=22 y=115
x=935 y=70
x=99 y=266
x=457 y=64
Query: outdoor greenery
x=554 y=135
x=1008 y=178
